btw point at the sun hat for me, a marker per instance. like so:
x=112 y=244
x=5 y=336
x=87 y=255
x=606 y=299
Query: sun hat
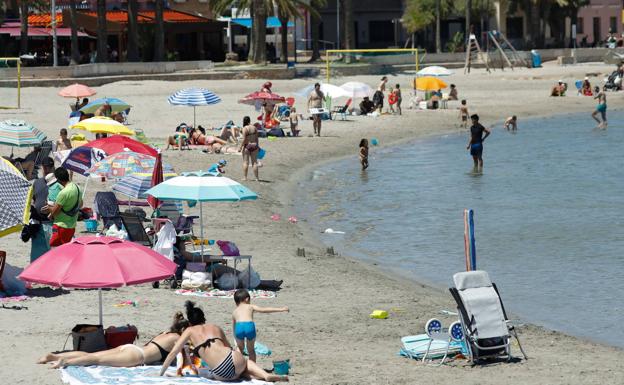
x=50 y=179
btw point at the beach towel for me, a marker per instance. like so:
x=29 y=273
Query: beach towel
x=216 y=293
x=416 y=346
x=140 y=375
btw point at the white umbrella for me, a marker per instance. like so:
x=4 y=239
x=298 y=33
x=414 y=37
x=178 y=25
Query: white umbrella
x=328 y=89
x=357 y=89
x=434 y=71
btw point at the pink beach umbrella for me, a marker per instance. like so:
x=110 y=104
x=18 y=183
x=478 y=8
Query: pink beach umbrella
x=97 y=263
x=77 y=91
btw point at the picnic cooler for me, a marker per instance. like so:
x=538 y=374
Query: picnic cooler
x=88 y=338
x=121 y=335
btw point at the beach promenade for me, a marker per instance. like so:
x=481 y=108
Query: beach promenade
x=327 y=335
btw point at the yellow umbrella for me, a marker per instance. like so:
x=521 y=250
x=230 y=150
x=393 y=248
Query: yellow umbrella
x=103 y=125
x=429 y=83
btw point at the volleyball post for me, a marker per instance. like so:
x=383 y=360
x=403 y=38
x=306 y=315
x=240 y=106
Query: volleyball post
x=386 y=52
x=4 y=63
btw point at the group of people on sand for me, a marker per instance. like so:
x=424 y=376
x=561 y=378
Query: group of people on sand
x=192 y=335
x=586 y=90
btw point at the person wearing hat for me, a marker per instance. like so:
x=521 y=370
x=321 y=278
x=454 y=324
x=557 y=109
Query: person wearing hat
x=219 y=167
x=266 y=87
x=586 y=88
x=40 y=237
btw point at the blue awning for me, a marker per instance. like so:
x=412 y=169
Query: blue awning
x=272 y=22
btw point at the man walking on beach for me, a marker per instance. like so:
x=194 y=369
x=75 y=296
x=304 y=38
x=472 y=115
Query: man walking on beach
x=64 y=213
x=601 y=108
x=475 y=145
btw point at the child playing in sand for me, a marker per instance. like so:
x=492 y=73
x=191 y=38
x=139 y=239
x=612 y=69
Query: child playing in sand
x=243 y=323
x=463 y=114
x=364 y=153
x=293 y=118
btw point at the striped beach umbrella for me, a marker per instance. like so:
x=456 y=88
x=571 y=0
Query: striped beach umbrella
x=193 y=97
x=136 y=185
x=469 y=240
x=18 y=133
x=201 y=186
x=118 y=165
x=117 y=105
x=15 y=197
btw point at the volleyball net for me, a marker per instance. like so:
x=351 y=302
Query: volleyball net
x=10 y=97
x=337 y=59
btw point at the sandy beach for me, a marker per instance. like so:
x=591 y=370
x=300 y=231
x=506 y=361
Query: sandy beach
x=327 y=335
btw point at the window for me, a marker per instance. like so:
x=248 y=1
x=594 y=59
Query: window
x=381 y=31
x=613 y=24
x=596 y=30
x=579 y=25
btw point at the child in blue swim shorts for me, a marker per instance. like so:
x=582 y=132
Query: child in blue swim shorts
x=243 y=323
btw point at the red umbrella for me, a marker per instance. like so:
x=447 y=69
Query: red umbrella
x=77 y=91
x=157 y=178
x=268 y=97
x=119 y=143
x=98 y=262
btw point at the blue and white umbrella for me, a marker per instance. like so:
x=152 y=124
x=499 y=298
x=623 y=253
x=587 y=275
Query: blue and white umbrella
x=136 y=185
x=201 y=186
x=193 y=97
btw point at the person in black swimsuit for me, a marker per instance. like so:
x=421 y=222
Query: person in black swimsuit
x=155 y=351
x=212 y=346
x=475 y=145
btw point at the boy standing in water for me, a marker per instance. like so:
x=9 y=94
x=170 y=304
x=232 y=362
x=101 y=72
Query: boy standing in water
x=601 y=108
x=243 y=323
x=475 y=145
x=463 y=114
x=364 y=153
x=511 y=123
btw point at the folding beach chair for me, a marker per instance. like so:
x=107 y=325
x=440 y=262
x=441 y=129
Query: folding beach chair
x=107 y=208
x=487 y=329
x=341 y=110
x=134 y=227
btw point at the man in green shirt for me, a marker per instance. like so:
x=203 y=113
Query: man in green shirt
x=64 y=213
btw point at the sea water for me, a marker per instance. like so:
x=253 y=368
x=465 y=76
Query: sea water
x=549 y=217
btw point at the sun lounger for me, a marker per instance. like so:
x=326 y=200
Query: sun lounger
x=487 y=329
x=134 y=227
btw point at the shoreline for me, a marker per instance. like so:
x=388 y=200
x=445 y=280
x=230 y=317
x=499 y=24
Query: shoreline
x=313 y=235
x=327 y=335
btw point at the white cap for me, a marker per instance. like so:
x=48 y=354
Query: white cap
x=560 y=81
x=586 y=78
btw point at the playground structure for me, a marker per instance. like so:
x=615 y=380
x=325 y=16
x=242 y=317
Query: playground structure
x=499 y=52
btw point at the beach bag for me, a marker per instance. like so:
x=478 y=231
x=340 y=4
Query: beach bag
x=88 y=338
x=117 y=336
x=228 y=248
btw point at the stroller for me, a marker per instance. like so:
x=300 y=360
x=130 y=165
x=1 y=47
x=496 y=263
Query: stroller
x=614 y=81
x=487 y=329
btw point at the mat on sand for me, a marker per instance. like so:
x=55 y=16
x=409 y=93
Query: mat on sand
x=140 y=375
x=225 y=293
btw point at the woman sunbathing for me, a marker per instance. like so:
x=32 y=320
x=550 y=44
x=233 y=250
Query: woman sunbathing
x=127 y=355
x=199 y=137
x=212 y=346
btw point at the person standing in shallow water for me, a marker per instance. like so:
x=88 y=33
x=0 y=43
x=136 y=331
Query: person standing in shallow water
x=364 y=153
x=478 y=133
x=601 y=108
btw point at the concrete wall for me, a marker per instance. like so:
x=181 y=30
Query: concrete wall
x=106 y=69
x=604 y=10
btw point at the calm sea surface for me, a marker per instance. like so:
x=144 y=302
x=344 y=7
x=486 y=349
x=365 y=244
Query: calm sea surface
x=549 y=217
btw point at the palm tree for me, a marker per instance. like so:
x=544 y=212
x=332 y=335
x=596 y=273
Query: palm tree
x=287 y=9
x=133 y=38
x=159 y=33
x=23 y=11
x=75 y=52
x=349 y=25
x=102 y=35
x=259 y=9
x=315 y=29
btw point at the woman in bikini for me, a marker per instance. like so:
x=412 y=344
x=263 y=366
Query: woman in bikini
x=249 y=147
x=128 y=355
x=212 y=346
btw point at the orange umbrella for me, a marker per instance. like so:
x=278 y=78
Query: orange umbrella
x=429 y=83
x=77 y=91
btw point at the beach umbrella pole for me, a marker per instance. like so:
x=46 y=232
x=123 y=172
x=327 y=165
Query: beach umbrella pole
x=201 y=229
x=100 y=298
x=194 y=124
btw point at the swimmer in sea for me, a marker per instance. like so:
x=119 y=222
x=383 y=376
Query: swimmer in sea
x=511 y=123
x=601 y=108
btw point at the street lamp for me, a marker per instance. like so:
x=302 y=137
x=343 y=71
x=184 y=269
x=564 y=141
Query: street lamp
x=54 y=41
